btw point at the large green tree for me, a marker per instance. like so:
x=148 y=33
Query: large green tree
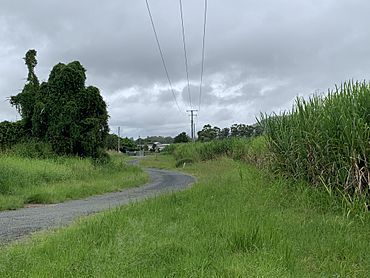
x=63 y=111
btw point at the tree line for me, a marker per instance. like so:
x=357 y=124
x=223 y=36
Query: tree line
x=209 y=133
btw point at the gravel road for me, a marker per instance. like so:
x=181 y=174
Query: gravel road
x=19 y=223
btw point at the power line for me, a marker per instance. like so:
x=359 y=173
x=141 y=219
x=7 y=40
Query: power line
x=203 y=47
x=185 y=54
x=162 y=57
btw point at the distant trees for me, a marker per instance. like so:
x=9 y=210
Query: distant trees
x=242 y=130
x=73 y=118
x=209 y=133
x=125 y=144
x=152 y=139
x=181 y=138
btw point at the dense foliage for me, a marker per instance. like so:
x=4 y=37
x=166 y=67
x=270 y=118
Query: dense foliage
x=325 y=140
x=125 y=144
x=181 y=138
x=10 y=133
x=63 y=111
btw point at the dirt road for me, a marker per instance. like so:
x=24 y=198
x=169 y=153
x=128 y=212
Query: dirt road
x=19 y=223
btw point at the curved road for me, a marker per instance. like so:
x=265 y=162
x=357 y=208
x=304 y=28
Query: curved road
x=18 y=223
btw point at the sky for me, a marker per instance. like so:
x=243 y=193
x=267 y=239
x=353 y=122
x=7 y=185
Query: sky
x=259 y=55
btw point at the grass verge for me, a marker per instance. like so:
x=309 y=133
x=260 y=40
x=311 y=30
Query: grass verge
x=29 y=181
x=236 y=222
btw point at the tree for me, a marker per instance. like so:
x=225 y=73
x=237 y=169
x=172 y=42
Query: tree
x=224 y=133
x=181 y=138
x=126 y=144
x=62 y=111
x=25 y=100
x=242 y=130
x=208 y=133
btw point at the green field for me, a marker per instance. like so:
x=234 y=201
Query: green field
x=237 y=221
x=39 y=181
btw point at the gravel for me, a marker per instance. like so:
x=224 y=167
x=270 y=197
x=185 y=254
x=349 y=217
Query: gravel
x=22 y=222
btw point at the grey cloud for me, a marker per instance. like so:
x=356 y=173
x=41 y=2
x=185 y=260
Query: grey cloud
x=259 y=54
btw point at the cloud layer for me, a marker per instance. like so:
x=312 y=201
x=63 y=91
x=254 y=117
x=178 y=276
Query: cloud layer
x=259 y=55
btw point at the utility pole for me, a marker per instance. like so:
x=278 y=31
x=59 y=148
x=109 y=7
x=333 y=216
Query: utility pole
x=192 y=122
x=118 y=140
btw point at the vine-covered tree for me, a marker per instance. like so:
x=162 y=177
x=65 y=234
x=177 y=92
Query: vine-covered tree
x=25 y=100
x=63 y=111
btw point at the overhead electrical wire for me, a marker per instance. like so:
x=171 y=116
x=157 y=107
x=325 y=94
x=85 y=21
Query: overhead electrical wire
x=203 y=56
x=185 y=53
x=162 y=56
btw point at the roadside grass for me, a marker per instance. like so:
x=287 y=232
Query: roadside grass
x=162 y=161
x=42 y=181
x=252 y=150
x=237 y=221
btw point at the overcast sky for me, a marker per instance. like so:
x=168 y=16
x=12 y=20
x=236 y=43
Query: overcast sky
x=259 y=55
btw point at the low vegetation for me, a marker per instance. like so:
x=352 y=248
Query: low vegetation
x=325 y=140
x=252 y=150
x=237 y=221
x=26 y=180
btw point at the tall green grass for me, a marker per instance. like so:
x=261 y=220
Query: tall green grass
x=31 y=180
x=325 y=140
x=246 y=149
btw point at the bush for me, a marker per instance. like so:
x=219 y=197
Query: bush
x=32 y=149
x=10 y=133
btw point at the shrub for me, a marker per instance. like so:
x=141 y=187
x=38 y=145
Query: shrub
x=32 y=149
x=10 y=134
